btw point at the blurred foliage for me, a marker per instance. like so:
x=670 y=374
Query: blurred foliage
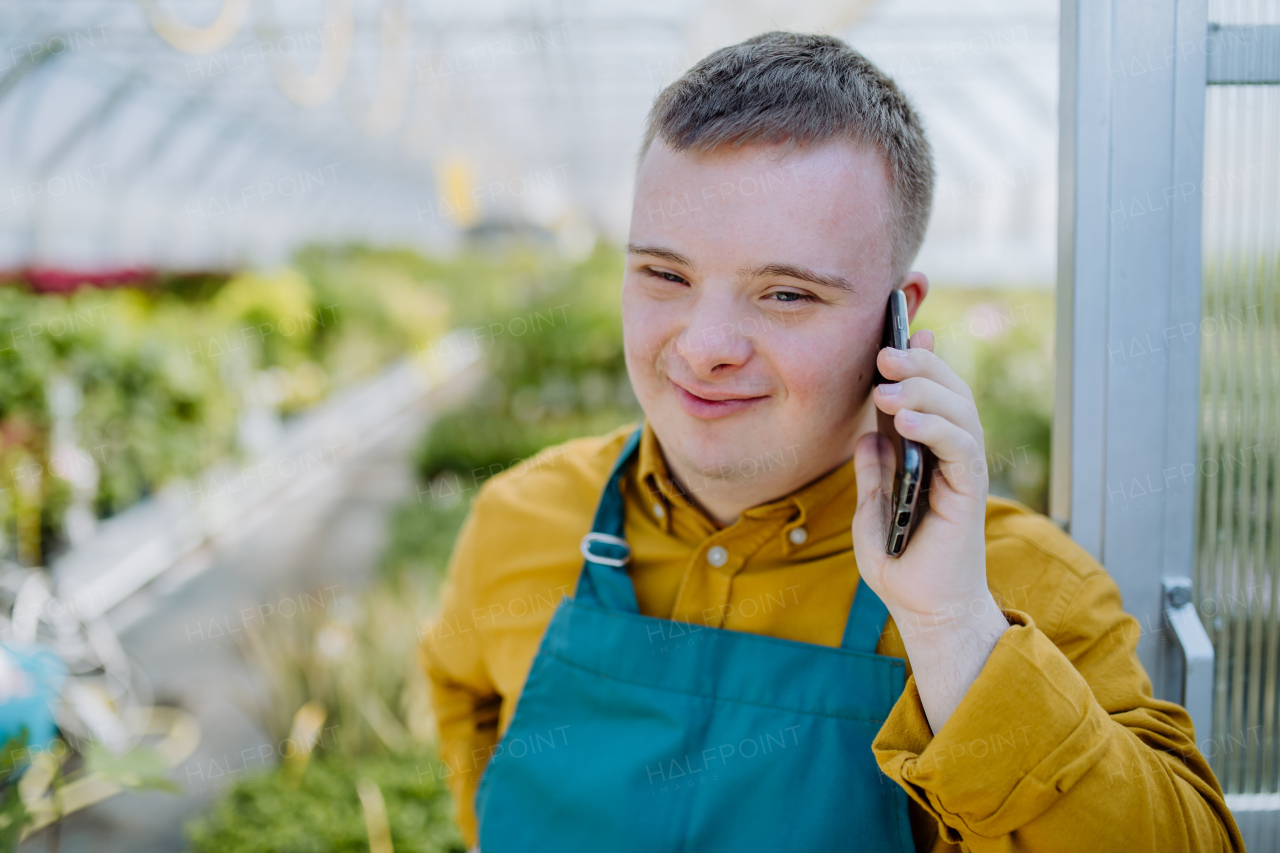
x=142 y=767
x=277 y=310
x=1000 y=342
x=420 y=539
x=556 y=371
x=481 y=286
x=263 y=814
x=358 y=659
x=14 y=816
x=160 y=375
x=60 y=768
x=154 y=404
x=389 y=305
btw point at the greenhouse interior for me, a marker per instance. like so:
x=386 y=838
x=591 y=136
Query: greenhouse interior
x=287 y=281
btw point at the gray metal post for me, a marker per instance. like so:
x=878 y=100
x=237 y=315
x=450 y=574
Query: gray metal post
x=1128 y=348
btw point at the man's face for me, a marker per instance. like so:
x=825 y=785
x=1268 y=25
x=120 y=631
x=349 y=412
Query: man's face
x=753 y=305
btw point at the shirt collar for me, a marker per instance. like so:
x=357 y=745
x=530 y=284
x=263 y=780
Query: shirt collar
x=655 y=479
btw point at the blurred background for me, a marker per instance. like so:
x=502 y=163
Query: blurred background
x=284 y=283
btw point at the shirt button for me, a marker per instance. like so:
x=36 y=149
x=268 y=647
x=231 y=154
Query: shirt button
x=717 y=556
x=658 y=511
x=798 y=535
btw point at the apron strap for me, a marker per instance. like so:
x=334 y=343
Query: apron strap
x=604 y=578
x=866 y=621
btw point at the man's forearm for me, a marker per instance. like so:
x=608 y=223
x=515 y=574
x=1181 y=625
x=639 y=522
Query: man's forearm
x=947 y=654
x=1033 y=762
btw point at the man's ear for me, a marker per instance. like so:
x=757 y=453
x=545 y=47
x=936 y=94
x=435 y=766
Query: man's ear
x=915 y=286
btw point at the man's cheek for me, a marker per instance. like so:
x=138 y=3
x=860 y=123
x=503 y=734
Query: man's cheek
x=649 y=333
x=643 y=350
x=643 y=368
x=822 y=377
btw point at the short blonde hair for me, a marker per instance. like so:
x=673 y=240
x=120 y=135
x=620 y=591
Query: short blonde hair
x=795 y=89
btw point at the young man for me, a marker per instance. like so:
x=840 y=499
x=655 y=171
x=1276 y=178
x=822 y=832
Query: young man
x=730 y=669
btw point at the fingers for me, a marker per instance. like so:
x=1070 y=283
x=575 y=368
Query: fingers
x=961 y=458
x=924 y=395
x=934 y=406
x=896 y=364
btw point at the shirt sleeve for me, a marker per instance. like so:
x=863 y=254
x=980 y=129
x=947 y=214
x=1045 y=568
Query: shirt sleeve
x=465 y=700
x=1059 y=745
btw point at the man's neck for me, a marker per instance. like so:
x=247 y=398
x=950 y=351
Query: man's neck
x=724 y=500
x=713 y=496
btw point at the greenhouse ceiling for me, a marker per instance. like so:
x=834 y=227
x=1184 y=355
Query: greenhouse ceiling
x=201 y=134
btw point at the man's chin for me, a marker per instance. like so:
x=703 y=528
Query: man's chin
x=727 y=449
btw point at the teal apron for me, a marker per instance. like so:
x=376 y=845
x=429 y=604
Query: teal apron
x=642 y=734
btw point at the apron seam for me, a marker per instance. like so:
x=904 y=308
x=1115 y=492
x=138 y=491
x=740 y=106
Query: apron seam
x=776 y=641
x=714 y=696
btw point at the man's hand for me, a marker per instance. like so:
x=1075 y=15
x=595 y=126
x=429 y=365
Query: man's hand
x=936 y=590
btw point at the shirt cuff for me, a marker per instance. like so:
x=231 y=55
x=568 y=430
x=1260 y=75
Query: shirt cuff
x=1026 y=730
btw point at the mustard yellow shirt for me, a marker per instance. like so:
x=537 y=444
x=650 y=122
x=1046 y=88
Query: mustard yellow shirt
x=1058 y=745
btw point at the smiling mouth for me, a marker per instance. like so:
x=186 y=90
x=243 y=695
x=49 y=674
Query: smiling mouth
x=708 y=408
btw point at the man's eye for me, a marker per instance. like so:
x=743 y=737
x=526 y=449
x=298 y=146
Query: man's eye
x=790 y=296
x=669 y=276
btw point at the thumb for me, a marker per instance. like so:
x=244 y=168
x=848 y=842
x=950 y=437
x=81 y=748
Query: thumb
x=873 y=469
x=922 y=339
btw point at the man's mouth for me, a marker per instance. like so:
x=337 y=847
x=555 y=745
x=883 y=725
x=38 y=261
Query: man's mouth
x=709 y=404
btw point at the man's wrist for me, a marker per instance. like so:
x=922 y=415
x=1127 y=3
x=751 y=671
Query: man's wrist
x=947 y=658
x=942 y=628
x=976 y=634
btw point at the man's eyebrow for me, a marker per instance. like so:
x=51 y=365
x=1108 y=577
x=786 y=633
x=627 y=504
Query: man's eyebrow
x=659 y=252
x=774 y=269
x=802 y=273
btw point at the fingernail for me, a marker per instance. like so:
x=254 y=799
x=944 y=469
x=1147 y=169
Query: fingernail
x=894 y=352
x=890 y=389
x=910 y=418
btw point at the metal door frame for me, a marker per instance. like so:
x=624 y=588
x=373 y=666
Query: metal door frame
x=1127 y=382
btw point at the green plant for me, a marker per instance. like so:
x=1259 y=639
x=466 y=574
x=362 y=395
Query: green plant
x=14 y=816
x=357 y=659
x=163 y=371
x=557 y=371
x=264 y=814
x=420 y=537
x=156 y=406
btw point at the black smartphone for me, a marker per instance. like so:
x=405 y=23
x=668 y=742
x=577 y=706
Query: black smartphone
x=915 y=461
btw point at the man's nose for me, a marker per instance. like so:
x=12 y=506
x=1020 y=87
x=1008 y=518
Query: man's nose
x=713 y=338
